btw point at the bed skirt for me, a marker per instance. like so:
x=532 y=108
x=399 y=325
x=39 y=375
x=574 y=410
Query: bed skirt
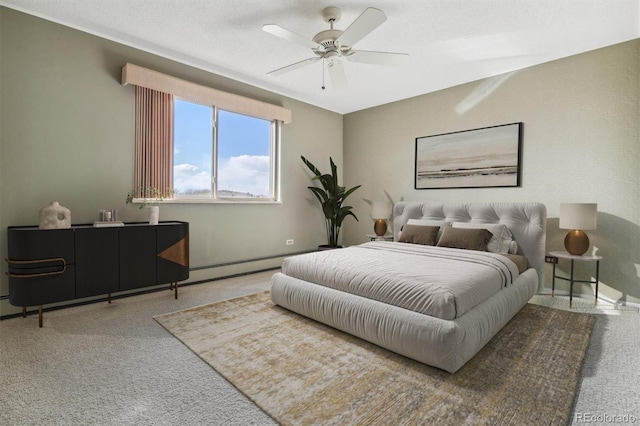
x=445 y=344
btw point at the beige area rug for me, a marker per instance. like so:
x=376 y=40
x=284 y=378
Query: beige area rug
x=303 y=372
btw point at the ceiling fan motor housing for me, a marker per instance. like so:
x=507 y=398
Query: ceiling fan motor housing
x=327 y=39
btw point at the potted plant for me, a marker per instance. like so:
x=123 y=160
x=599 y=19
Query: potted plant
x=331 y=197
x=150 y=197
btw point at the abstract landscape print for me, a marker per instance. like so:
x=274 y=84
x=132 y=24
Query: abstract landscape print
x=486 y=157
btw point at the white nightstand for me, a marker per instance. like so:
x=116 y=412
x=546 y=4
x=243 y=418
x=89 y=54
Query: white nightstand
x=374 y=237
x=573 y=258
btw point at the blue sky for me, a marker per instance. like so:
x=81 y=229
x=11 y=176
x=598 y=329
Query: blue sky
x=243 y=150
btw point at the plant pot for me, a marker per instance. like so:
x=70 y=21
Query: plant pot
x=154 y=215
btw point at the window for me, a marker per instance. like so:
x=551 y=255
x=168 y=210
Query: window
x=221 y=154
x=196 y=143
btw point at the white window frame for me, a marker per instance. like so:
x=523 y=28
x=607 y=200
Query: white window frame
x=195 y=93
x=274 y=166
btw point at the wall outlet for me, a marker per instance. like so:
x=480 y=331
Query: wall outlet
x=289 y=242
x=550 y=259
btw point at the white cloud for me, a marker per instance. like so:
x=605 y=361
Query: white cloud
x=188 y=177
x=244 y=173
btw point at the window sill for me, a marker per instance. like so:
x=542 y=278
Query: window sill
x=207 y=201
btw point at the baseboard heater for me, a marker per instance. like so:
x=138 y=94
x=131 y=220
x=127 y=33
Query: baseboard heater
x=239 y=262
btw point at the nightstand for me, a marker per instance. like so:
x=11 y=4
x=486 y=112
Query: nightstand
x=374 y=237
x=573 y=258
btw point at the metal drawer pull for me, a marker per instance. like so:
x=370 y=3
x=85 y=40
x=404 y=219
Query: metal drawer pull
x=34 y=262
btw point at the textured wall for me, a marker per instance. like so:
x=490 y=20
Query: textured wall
x=581 y=144
x=67 y=135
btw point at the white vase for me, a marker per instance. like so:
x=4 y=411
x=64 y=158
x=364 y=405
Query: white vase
x=54 y=216
x=154 y=215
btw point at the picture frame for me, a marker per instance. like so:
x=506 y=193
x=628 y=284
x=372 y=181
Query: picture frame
x=477 y=158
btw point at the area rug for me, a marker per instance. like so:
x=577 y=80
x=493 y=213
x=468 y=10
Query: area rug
x=302 y=372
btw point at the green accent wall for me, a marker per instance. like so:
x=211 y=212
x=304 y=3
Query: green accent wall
x=66 y=135
x=67 y=129
x=581 y=143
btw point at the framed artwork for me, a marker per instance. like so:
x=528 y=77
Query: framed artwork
x=478 y=158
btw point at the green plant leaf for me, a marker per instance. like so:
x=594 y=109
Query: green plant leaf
x=331 y=196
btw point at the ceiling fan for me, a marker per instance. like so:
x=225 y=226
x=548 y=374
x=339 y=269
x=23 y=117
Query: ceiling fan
x=331 y=45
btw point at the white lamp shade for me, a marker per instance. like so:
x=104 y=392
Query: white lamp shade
x=578 y=216
x=380 y=210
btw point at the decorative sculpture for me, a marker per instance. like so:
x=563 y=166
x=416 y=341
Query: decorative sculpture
x=55 y=216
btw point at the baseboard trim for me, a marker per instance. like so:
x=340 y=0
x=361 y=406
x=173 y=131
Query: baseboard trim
x=154 y=289
x=224 y=268
x=565 y=293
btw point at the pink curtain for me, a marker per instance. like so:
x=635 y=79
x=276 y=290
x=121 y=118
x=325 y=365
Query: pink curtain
x=153 y=173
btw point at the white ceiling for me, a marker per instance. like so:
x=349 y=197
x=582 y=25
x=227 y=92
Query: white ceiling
x=450 y=41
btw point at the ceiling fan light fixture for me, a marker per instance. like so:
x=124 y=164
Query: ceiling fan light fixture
x=331 y=55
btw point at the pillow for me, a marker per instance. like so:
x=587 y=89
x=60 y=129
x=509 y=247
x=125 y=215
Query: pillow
x=501 y=239
x=520 y=261
x=469 y=239
x=416 y=234
x=430 y=222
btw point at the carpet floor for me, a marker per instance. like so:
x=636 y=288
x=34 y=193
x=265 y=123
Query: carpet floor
x=302 y=372
x=112 y=364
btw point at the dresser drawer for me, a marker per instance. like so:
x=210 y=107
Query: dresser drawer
x=39 y=244
x=37 y=288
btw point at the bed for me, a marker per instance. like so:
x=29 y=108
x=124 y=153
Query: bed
x=435 y=304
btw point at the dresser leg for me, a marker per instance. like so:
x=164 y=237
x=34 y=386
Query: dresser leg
x=175 y=286
x=553 y=282
x=40 y=316
x=109 y=297
x=24 y=312
x=597 y=279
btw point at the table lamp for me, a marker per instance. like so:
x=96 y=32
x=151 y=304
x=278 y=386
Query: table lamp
x=577 y=217
x=380 y=211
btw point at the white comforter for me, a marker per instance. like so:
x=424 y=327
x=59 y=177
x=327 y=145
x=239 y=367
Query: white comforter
x=435 y=281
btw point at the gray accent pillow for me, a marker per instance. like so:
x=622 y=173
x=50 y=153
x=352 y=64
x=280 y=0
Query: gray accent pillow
x=465 y=238
x=417 y=234
x=501 y=239
x=430 y=222
x=520 y=261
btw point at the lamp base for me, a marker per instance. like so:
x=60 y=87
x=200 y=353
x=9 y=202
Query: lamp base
x=380 y=227
x=576 y=242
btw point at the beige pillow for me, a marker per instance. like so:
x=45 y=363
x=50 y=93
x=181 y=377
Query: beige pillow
x=465 y=238
x=417 y=234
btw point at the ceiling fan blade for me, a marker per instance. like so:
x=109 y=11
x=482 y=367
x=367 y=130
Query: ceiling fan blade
x=379 y=58
x=337 y=75
x=295 y=66
x=278 y=31
x=368 y=21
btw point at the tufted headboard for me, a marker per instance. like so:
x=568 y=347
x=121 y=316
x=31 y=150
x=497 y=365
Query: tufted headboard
x=527 y=222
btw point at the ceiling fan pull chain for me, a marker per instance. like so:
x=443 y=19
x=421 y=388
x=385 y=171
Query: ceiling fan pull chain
x=323 y=65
